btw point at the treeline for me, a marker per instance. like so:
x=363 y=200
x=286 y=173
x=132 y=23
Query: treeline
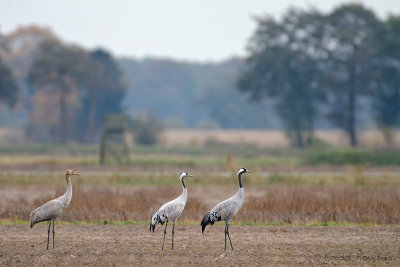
x=193 y=95
x=311 y=62
x=65 y=89
x=304 y=71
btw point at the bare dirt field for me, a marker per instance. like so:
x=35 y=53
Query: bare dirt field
x=112 y=245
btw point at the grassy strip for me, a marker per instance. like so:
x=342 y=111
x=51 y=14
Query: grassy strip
x=151 y=160
x=192 y=223
x=353 y=157
x=211 y=148
x=354 y=177
x=213 y=154
x=50 y=148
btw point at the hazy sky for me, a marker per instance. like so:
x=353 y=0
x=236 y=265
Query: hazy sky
x=182 y=29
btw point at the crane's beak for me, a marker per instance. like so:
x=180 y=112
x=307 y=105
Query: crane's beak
x=75 y=173
x=189 y=175
x=249 y=171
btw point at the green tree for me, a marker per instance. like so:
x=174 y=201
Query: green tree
x=351 y=37
x=386 y=85
x=58 y=71
x=104 y=90
x=146 y=128
x=8 y=86
x=284 y=63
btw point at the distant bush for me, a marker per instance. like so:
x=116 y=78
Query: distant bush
x=353 y=157
x=385 y=158
x=317 y=143
x=146 y=128
x=339 y=157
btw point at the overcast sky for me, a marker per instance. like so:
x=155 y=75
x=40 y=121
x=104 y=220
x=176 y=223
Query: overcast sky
x=183 y=29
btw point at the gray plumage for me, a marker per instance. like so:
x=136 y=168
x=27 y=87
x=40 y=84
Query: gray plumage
x=225 y=210
x=171 y=210
x=54 y=208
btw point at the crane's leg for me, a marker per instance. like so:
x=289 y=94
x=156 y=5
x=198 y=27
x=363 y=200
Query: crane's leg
x=48 y=235
x=227 y=231
x=225 y=235
x=173 y=231
x=54 y=222
x=165 y=231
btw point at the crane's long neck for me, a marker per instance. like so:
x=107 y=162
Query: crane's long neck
x=183 y=182
x=240 y=193
x=68 y=193
x=184 y=189
x=240 y=180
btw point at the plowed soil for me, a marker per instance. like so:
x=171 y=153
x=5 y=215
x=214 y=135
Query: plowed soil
x=116 y=245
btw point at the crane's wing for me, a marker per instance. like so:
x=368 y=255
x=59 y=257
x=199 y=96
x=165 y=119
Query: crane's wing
x=172 y=210
x=224 y=210
x=169 y=211
x=48 y=211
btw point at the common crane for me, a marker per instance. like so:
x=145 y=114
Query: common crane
x=54 y=208
x=225 y=210
x=170 y=211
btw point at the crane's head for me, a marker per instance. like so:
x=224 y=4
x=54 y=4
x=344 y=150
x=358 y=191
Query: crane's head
x=157 y=218
x=70 y=172
x=183 y=175
x=242 y=170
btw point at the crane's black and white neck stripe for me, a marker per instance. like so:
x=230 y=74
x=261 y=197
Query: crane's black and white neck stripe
x=182 y=177
x=240 y=172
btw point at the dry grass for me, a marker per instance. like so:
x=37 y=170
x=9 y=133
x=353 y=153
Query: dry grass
x=274 y=138
x=324 y=204
x=11 y=135
x=270 y=138
x=262 y=138
x=50 y=160
x=281 y=204
x=101 y=203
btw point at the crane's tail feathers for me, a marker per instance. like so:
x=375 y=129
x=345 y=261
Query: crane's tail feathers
x=206 y=220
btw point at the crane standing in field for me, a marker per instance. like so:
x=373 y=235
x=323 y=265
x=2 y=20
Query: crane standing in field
x=54 y=208
x=170 y=211
x=225 y=210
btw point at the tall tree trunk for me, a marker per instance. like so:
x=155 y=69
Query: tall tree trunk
x=310 y=128
x=351 y=127
x=352 y=118
x=299 y=138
